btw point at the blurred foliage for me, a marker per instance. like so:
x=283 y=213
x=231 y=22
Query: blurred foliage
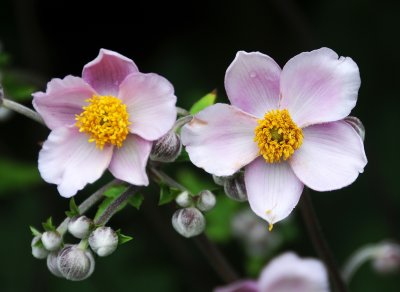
x=203 y=102
x=193 y=52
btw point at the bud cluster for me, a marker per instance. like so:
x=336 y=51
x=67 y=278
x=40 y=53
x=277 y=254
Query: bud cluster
x=189 y=221
x=74 y=262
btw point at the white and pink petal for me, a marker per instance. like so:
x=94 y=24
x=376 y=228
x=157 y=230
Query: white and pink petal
x=290 y=273
x=273 y=190
x=331 y=156
x=319 y=87
x=70 y=161
x=63 y=99
x=220 y=139
x=150 y=103
x=107 y=71
x=252 y=83
x=129 y=162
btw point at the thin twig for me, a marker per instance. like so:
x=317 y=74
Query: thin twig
x=88 y=203
x=182 y=111
x=23 y=110
x=318 y=240
x=113 y=207
x=214 y=256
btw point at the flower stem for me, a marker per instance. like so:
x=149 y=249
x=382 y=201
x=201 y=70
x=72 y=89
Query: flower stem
x=214 y=256
x=21 y=109
x=88 y=203
x=357 y=259
x=319 y=242
x=181 y=111
x=113 y=207
x=181 y=122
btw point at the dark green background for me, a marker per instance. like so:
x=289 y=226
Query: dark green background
x=192 y=44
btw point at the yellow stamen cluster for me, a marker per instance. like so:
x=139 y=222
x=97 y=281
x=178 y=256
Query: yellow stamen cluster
x=105 y=120
x=277 y=136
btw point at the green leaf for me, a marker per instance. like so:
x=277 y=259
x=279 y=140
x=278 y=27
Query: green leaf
x=136 y=200
x=34 y=231
x=167 y=194
x=73 y=209
x=123 y=238
x=17 y=175
x=204 y=102
x=48 y=225
x=16 y=89
x=115 y=191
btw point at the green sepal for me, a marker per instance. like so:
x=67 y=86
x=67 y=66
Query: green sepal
x=34 y=231
x=167 y=194
x=204 y=102
x=122 y=238
x=48 y=225
x=73 y=209
x=136 y=200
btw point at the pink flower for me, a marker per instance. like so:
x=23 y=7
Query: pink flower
x=287 y=127
x=286 y=273
x=106 y=119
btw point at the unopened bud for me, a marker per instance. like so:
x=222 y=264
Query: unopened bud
x=52 y=264
x=51 y=240
x=387 y=258
x=80 y=226
x=235 y=187
x=38 y=250
x=167 y=148
x=184 y=199
x=103 y=241
x=219 y=180
x=206 y=200
x=188 y=222
x=74 y=263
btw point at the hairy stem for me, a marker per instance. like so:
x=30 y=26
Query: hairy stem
x=21 y=109
x=214 y=256
x=357 y=259
x=319 y=242
x=88 y=203
x=113 y=207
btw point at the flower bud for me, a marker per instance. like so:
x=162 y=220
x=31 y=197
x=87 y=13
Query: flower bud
x=219 y=180
x=167 y=148
x=188 y=222
x=38 y=250
x=51 y=240
x=184 y=199
x=235 y=187
x=103 y=241
x=80 y=226
x=387 y=258
x=52 y=264
x=74 y=263
x=206 y=200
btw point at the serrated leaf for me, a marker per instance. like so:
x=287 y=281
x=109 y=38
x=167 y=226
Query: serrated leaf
x=34 y=231
x=73 y=209
x=203 y=102
x=48 y=225
x=123 y=238
x=136 y=200
x=115 y=191
x=167 y=194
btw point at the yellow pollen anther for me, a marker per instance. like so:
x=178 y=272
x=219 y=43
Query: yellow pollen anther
x=105 y=120
x=270 y=227
x=277 y=136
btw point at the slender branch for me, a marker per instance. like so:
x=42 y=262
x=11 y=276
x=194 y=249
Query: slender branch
x=113 y=207
x=21 y=109
x=88 y=203
x=214 y=256
x=357 y=259
x=181 y=122
x=318 y=240
x=182 y=111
